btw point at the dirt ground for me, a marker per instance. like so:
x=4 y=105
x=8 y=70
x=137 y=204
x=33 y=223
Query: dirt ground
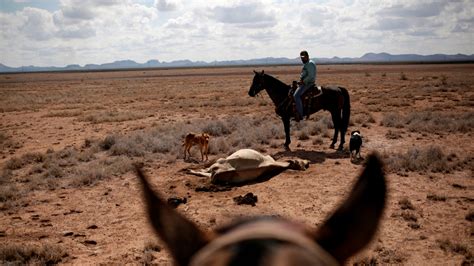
x=67 y=141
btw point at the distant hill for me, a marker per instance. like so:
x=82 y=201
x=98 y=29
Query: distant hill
x=366 y=58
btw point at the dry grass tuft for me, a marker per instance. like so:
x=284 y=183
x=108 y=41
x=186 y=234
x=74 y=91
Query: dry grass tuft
x=362 y=119
x=68 y=167
x=403 y=76
x=470 y=216
x=431 y=158
x=392 y=134
x=388 y=256
x=148 y=250
x=448 y=246
x=6 y=143
x=431 y=121
x=434 y=197
x=392 y=120
x=17 y=163
x=16 y=254
x=405 y=204
x=113 y=116
x=64 y=113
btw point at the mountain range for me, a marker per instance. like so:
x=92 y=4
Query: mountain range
x=366 y=58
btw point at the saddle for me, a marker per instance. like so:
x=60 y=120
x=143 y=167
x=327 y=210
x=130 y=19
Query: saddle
x=307 y=98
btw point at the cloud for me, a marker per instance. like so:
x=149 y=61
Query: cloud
x=416 y=10
x=185 y=21
x=77 y=32
x=251 y=15
x=390 y=24
x=38 y=24
x=99 y=31
x=78 y=12
x=318 y=15
x=166 y=5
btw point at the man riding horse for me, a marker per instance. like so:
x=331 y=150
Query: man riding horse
x=307 y=81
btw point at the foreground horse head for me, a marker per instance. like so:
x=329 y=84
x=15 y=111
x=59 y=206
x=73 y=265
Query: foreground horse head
x=273 y=241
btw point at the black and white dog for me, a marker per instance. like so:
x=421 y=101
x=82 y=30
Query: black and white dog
x=355 y=143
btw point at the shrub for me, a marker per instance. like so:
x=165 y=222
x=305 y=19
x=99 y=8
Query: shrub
x=8 y=192
x=405 y=204
x=392 y=120
x=431 y=159
x=90 y=173
x=431 y=121
x=112 y=116
x=448 y=246
x=318 y=141
x=303 y=135
x=31 y=254
x=28 y=158
x=444 y=80
x=362 y=119
x=393 y=135
x=108 y=142
x=216 y=128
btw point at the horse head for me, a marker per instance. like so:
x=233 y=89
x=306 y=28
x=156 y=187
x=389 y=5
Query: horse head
x=257 y=83
x=274 y=241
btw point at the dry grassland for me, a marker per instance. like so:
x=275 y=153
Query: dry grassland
x=68 y=141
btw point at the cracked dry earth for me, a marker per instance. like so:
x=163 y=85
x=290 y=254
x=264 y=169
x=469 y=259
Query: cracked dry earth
x=67 y=142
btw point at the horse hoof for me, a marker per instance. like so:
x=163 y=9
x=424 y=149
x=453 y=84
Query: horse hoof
x=331 y=146
x=287 y=147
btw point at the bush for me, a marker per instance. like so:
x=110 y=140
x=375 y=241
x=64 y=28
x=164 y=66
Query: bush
x=108 y=142
x=431 y=159
x=31 y=254
x=393 y=135
x=393 y=120
x=216 y=128
x=431 y=121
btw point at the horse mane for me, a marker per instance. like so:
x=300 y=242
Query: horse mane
x=276 y=82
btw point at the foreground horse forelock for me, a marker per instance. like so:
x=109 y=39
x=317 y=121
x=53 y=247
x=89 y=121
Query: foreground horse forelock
x=274 y=241
x=334 y=99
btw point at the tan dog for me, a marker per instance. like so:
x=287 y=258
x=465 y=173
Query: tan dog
x=196 y=139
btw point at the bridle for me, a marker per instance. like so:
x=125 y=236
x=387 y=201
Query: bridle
x=260 y=87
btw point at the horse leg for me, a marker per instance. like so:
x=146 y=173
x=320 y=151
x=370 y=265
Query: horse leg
x=336 y=120
x=343 y=136
x=286 y=124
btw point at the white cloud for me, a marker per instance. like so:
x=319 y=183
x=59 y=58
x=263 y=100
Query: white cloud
x=38 y=24
x=166 y=5
x=253 y=15
x=414 y=9
x=99 y=31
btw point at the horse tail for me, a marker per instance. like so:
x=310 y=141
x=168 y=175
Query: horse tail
x=346 y=109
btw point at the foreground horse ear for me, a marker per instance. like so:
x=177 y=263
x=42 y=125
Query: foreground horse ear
x=182 y=236
x=354 y=223
x=255 y=72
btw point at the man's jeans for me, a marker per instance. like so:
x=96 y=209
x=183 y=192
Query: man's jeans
x=299 y=91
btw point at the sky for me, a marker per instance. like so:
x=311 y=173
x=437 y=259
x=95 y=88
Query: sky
x=64 y=32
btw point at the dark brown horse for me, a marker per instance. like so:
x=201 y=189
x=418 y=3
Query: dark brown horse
x=334 y=99
x=269 y=241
